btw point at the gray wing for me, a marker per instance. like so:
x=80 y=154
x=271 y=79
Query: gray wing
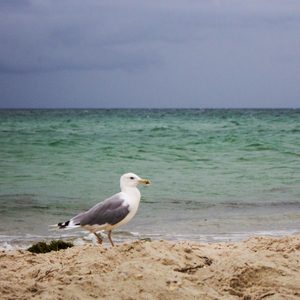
x=111 y=211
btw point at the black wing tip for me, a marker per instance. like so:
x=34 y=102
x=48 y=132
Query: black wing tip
x=63 y=225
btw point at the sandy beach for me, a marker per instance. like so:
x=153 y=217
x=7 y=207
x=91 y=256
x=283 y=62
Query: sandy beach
x=258 y=268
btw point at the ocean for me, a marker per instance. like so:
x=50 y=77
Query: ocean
x=217 y=175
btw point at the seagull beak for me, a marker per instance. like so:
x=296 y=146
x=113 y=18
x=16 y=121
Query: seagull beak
x=145 y=181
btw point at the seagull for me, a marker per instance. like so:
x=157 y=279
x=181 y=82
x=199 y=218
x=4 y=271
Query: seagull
x=111 y=213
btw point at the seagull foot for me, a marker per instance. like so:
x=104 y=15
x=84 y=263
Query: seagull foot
x=109 y=237
x=99 y=238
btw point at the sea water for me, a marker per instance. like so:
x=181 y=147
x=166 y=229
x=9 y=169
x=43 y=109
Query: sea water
x=216 y=174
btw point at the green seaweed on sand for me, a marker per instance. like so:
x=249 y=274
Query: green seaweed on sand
x=55 y=245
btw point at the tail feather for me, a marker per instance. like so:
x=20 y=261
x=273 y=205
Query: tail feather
x=64 y=225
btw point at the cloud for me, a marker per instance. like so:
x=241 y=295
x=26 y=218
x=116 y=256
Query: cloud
x=133 y=50
x=67 y=35
x=47 y=36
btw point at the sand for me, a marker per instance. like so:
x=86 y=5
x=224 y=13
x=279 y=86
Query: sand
x=259 y=268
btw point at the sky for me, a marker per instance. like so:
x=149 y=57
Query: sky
x=133 y=53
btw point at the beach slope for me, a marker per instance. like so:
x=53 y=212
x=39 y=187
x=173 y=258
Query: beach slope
x=259 y=268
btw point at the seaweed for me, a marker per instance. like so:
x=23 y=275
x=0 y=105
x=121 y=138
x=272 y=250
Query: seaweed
x=55 y=245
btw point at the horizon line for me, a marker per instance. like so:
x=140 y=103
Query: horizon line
x=139 y=108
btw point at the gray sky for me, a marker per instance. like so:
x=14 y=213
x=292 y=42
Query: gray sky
x=167 y=53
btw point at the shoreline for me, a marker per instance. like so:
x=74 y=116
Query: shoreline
x=257 y=268
x=82 y=237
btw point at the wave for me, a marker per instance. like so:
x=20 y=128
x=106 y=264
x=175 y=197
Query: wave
x=8 y=243
x=258 y=147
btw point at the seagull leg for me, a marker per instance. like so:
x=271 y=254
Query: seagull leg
x=99 y=238
x=109 y=237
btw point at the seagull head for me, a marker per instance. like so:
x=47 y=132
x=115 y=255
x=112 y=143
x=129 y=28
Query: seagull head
x=132 y=180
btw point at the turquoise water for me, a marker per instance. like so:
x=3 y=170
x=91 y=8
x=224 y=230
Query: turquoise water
x=216 y=174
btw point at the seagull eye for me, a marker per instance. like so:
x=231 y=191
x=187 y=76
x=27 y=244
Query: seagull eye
x=131 y=177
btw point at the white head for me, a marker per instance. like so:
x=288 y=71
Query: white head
x=131 y=180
